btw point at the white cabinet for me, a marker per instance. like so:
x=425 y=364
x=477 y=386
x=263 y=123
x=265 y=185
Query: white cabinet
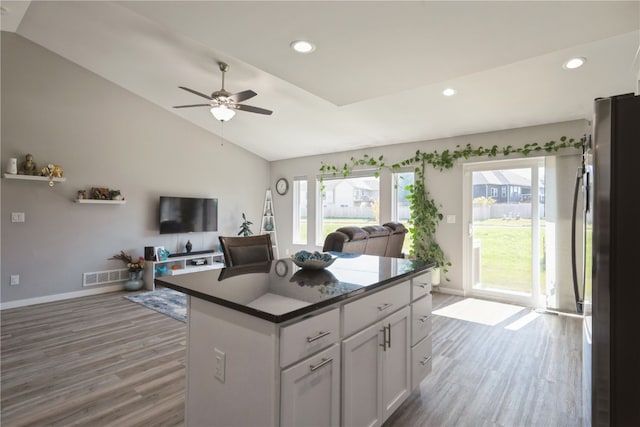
x=311 y=391
x=421 y=319
x=396 y=384
x=350 y=364
x=176 y=265
x=420 y=361
x=421 y=307
x=376 y=372
x=362 y=367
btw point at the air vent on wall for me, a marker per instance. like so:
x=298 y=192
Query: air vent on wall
x=102 y=277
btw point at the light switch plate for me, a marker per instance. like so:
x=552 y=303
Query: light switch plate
x=219 y=364
x=17 y=216
x=451 y=219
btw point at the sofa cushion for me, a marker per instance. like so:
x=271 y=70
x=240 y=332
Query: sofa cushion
x=354 y=233
x=377 y=241
x=396 y=239
x=376 y=230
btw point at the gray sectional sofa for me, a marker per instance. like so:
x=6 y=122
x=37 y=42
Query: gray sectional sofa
x=382 y=240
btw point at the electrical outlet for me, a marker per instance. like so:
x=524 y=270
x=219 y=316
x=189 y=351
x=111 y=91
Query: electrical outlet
x=219 y=364
x=15 y=279
x=17 y=216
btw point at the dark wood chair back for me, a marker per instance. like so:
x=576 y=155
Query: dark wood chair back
x=246 y=250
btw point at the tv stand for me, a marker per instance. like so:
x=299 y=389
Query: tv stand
x=177 y=264
x=183 y=254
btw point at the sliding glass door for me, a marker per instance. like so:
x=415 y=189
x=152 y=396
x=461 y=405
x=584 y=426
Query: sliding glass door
x=504 y=207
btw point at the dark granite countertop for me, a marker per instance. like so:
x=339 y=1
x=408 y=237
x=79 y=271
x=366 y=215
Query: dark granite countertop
x=279 y=290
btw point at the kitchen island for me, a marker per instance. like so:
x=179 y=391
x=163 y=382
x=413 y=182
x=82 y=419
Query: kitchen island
x=270 y=344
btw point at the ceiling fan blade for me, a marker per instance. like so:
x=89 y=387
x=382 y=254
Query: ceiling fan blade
x=193 y=105
x=195 y=92
x=242 y=96
x=252 y=109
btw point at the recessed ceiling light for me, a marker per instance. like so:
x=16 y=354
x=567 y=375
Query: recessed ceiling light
x=574 y=63
x=449 y=92
x=302 y=46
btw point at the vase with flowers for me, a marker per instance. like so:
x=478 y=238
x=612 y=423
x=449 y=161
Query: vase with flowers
x=135 y=270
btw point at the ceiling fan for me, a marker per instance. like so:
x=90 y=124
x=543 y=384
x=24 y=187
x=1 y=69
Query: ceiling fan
x=223 y=103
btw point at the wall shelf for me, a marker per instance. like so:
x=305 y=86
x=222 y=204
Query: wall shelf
x=33 y=178
x=100 y=202
x=268 y=225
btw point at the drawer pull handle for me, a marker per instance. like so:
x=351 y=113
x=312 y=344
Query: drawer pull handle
x=384 y=306
x=425 y=360
x=423 y=318
x=423 y=285
x=317 y=337
x=323 y=362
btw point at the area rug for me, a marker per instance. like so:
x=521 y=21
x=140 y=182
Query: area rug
x=165 y=300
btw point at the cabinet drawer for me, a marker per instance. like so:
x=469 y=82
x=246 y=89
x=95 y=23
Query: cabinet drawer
x=372 y=308
x=420 y=319
x=420 y=362
x=421 y=285
x=309 y=336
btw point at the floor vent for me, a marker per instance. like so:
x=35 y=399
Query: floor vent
x=102 y=277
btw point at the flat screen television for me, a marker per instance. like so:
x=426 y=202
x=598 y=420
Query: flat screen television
x=187 y=214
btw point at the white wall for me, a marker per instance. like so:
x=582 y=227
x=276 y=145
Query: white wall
x=102 y=135
x=445 y=186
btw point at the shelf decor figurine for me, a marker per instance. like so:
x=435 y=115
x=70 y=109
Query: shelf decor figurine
x=188 y=246
x=12 y=166
x=28 y=167
x=135 y=269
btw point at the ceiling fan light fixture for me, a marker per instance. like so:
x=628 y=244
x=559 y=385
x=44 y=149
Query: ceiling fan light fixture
x=449 y=92
x=574 y=63
x=222 y=113
x=302 y=46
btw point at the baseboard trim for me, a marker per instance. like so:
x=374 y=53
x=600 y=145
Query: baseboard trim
x=450 y=291
x=59 y=297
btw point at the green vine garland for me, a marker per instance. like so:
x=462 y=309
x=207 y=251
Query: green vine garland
x=425 y=212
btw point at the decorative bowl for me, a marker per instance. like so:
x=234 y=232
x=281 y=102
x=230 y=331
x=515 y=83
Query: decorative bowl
x=312 y=261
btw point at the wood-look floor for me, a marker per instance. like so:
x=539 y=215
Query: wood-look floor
x=103 y=360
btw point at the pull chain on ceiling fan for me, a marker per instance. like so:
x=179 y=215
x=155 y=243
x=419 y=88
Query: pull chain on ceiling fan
x=223 y=104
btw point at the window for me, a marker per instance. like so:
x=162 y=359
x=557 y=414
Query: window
x=401 y=210
x=348 y=201
x=300 y=210
x=494 y=192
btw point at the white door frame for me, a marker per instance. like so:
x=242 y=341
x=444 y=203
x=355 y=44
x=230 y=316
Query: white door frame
x=535 y=300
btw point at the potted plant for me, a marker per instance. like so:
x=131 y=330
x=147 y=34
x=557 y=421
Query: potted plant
x=135 y=268
x=244 y=227
x=423 y=223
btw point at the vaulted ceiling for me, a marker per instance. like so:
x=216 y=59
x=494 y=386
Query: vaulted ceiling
x=378 y=71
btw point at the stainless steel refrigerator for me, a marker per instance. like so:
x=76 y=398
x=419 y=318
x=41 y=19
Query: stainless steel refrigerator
x=611 y=350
